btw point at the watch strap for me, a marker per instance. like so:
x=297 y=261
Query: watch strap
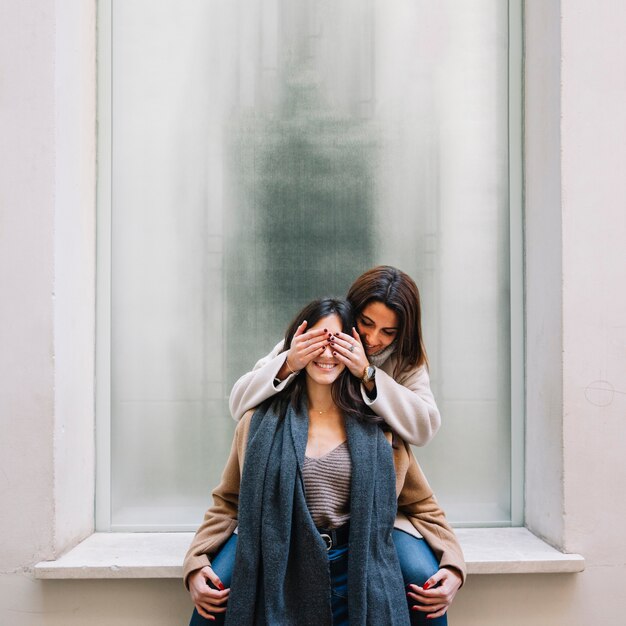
x=368 y=374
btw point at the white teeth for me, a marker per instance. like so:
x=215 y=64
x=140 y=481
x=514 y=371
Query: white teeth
x=325 y=366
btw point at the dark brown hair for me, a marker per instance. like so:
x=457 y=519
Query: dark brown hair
x=345 y=389
x=398 y=291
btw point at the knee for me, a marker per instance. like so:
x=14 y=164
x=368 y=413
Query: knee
x=417 y=573
x=417 y=561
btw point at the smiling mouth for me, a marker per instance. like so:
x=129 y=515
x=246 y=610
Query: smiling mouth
x=325 y=366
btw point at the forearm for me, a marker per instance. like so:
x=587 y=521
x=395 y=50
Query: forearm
x=429 y=520
x=221 y=519
x=417 y=502
x=258 y=385
x=410 y=411
x=205 y=543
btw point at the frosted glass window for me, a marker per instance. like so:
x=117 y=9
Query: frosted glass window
x=268 y=152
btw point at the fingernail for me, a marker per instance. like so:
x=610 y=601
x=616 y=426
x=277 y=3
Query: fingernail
x=334 y=354
x=426 y=585
x=326 y=330
x=220 y=586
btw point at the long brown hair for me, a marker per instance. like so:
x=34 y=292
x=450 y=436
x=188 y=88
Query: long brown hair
x=398 y=291
x=345 y=390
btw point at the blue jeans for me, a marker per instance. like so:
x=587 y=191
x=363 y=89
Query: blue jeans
x=223 y=565
x=338 y=558
x=417 y=562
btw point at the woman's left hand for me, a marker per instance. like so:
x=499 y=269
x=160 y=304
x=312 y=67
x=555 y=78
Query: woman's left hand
x=437 y=593
x=350 y=351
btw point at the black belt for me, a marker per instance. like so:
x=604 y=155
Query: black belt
x=336 y=537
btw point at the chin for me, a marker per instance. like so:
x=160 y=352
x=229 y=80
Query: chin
x=325 y=380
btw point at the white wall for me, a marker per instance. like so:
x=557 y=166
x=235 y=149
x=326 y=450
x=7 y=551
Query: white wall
x=26 y=282
x=576 y=307
x=47 y=251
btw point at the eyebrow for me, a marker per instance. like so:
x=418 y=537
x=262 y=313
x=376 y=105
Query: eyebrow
x=369 y=319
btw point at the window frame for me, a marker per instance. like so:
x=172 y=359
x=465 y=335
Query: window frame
x=104 y=199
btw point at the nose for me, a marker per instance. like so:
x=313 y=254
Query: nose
x=372 y=338
x=327 y=353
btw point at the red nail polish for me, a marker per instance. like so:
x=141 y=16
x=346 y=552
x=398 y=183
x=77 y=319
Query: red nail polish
x=220 y=586
x=334 y=354
x=426 y=585
x=326 y=330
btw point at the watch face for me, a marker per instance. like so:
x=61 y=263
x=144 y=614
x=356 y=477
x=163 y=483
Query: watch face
x=371 y=370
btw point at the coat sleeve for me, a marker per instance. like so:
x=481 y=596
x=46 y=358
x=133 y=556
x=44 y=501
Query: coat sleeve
x=220 y=520
x=407 y=405
x=417 y=502
x=258 y=385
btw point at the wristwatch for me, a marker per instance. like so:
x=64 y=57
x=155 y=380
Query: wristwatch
x=368 y=374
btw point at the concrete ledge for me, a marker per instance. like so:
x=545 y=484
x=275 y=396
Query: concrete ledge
x=513 y=551
x=159 y=555
x=121 y=555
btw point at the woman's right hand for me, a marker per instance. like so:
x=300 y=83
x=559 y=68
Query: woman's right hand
x=305 y=346
x=206 y=599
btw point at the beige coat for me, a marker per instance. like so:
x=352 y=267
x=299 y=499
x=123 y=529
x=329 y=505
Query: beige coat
x=407 y=404
x=418 y=511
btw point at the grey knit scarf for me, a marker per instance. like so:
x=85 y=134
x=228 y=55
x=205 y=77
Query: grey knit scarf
x=281 y=574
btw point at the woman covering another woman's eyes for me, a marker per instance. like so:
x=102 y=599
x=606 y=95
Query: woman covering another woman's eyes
x=384 y=353
x=378 y=327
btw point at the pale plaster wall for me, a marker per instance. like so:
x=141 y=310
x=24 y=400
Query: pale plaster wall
x=575 y=221
x=74 y=270
x=543 y=270
x=593 y=170
x=27 y=160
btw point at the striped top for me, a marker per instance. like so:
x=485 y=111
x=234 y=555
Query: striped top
x=327 y=487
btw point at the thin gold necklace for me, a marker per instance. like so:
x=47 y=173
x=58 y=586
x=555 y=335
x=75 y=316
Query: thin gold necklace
x=321 y=412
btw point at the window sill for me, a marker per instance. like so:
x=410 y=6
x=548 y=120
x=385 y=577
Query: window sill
x=160 y=555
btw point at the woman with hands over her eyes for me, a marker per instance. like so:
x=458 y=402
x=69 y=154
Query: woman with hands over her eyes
x=386 y=356
x=317 y=509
